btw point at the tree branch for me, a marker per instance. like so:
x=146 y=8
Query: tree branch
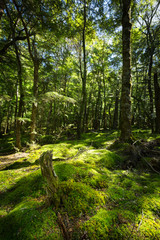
x=10 y=43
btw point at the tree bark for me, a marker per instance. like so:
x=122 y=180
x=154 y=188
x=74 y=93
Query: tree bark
x=157 y=102
x=125 y=124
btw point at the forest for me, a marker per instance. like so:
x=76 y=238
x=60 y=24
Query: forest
x=79 y=119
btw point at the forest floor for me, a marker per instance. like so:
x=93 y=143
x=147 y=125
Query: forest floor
x=101 y=196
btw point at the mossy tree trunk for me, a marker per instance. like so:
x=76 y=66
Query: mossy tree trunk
x=125 y=125
x=50 y=177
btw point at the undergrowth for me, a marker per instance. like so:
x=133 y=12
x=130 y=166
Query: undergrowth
x=99 y=198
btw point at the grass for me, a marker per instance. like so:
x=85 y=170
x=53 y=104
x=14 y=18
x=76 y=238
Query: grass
x=100 y=199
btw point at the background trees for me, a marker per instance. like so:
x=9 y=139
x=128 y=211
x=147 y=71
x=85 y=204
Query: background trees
x=73 y=49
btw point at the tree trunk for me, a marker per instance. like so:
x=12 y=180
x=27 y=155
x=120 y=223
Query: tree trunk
x=7 y=120
x=19 y=83
x=150 y=91
x=115 y=117
x=98 y=108
x=50 y=177
x=35 y=60
x=19 y=115
x=82 y=115
x=16 y=106
x=49 y=120
x=104 y=121
x=125 y=123
x=88 y=110
x=35 y=95
x=157 y=102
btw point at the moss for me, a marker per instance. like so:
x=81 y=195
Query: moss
x=102 y=200
x=78 y=198
x=29 y=185
x=27 y=221
x=99 y=226
x=65 y=171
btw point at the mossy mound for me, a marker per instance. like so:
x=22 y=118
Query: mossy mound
x=28 y=221
x=78 y=198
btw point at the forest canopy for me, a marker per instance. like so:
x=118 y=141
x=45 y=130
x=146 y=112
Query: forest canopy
x=92 y=65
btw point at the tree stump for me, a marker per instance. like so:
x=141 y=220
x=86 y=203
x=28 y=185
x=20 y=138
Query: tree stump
x=50 y=177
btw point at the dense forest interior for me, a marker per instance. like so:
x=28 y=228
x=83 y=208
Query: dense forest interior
x=79 y=119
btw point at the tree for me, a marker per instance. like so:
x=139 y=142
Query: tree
x=125 y=122
x=157 y=102
x=82 y=113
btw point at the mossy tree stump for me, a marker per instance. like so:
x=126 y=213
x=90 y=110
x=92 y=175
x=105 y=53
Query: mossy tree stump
x=50 y=177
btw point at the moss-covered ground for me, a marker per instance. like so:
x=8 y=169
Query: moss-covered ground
x=99 y=198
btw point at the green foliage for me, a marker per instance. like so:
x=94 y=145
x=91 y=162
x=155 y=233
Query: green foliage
x=50 y=96
x=46 y=139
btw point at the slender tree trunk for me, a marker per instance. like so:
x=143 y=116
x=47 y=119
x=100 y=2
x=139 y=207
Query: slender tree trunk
x=104 y=95
x=88 y=110
x=16 y=107
x=125 y=123
x=7 y=120
x=82 y=115
x=19 y=115
x=150 y=91
x=49 y=120
x=98 y=108
x=35 y=60
x=157 y=102
x=35 y=95
x=115 y=117
x=19 y=83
